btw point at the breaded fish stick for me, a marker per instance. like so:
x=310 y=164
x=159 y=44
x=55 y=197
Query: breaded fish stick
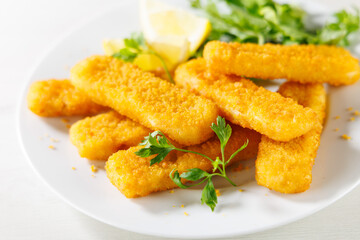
x=286 y=167
x=146 y=99
x=134 y=176
x=298 y=63
x=54 y=98
x=100 y=136
x=246 y=104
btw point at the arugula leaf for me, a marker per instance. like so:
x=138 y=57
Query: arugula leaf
x=337 y=33
x=208 y=195
x=261 y=21
x=222 y=130
x=195 y=3
x=194 y=174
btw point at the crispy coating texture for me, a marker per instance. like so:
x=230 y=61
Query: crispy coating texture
x=100 y=136
x=298 y=63
x=54 y=98
x=146 y=99
x=246 y=104
x=134 y=176
x=286 y=167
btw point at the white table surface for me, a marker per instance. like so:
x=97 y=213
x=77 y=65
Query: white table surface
x=28 y=208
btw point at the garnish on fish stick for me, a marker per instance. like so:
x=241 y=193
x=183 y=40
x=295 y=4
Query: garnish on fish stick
x=157 y=144
x=136 y=45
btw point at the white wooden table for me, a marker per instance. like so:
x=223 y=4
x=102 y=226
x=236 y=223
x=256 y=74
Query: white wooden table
x=28 y=208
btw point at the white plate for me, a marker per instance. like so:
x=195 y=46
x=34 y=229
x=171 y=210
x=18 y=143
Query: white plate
x=336 y=172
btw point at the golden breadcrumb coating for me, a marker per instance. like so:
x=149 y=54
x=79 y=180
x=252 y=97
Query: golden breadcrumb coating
x=134 y=176
x=151 y=101
x=286 y=167
x=54 y=98
x=244 y=103
x=298 y=63
x=100 y=136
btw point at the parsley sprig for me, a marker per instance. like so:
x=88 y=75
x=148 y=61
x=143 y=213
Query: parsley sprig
x=157 y=144
x=136 y=45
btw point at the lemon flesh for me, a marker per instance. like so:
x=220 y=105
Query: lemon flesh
x=173 y=33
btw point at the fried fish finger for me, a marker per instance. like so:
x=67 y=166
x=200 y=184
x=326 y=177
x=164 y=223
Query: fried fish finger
x=146 y=99
x=286 y=167
x=298 y=63
x=54 y=98
x=246 y=104
x=98 y=137
x=134 y=176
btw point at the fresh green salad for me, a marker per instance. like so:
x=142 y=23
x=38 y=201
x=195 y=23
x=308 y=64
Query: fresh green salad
x=262 y=21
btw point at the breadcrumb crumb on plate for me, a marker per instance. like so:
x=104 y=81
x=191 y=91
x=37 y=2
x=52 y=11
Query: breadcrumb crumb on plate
x=346 y=137
x=218 y=192
x=93 y=169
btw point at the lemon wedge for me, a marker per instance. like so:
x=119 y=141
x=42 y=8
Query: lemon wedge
x=173 y=49
x=173 y=33
x=146 y=62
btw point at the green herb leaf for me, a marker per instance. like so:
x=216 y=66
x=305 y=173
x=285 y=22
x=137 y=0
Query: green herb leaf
x=237 y=151
x=161 y=154
x=155 y=144
x=137 y=45
x=222 y=130
x=194 y=174
x=126 y=55
x=208 y=195
x=150 y=139
x=139 y=38
x=337 y=32
x=216 y=164
x=136 y=42
x=261 y=21
x=195 y=3
x=132 y=43
x=176 y=179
